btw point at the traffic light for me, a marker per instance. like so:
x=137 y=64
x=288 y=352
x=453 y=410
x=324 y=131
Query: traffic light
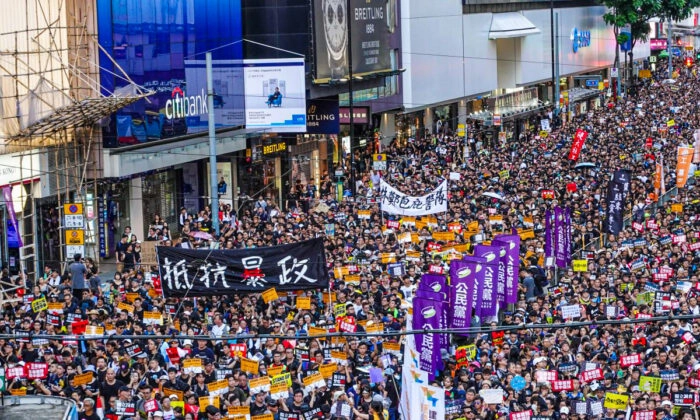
x=688 y=62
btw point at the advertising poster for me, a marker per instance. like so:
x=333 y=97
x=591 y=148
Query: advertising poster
x=275 y=95
x=369 y=22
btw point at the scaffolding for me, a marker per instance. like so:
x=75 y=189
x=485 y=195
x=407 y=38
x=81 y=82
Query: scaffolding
x=52 y=106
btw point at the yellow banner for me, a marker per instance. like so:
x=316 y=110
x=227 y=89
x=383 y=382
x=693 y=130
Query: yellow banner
x=249 y=366
x=303 y=303
x=270 y=295
x=444 y=236
x=616 y=401
x=581 y=265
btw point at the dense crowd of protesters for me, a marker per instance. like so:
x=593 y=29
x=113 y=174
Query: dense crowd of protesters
x=156 y=377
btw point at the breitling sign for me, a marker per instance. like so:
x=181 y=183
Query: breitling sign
x=370 y=26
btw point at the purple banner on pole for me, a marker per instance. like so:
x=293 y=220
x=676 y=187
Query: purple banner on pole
x=491 y=254
x=426 y=316
x=476 y=281
x=512 y=264
x=7 y=195
x=429 y=294
x=548 y=238
x=559 y=238
x=461 y=294
x=567 y=237
x=433 y=282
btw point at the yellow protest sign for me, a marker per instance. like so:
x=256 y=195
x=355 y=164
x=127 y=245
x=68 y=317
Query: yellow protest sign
x=131 y=297
x=616 y=401
x=216 y=387
x=645 y=74
x=249 y=366
x=270 y=295
x=83 y=379
x=193 y=365
x=471 y=351
x=312 y=378
x=169 y=391
x=339 y=310
x=388 y=346
x=581 y=265
x=670 y=123
x=274 y=370
x=328 y=369
x=239 y=411
x=55 y=307
x=352 y=278
x=444 y=236
x=303 y=303
x=473 y=226
x=94 y=330
x=263 y=417
x=677 y=208
x=526 y=234
x=388 y=257
x=284 y=378
x=205 y=401
x=123 y=306
x=262 y=382
x=19 y=392
x=317 y=331
x=40 y=304
x=649 y=384
x=155 y=318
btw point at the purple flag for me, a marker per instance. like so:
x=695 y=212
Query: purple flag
x=461 y=294
x=426 y=316
x=512 y=264
x=433 y=282
x=429 y=294
x=567 y=236
x=7 y=194
x=491 y=254
x=559 y=237
x=548 y=247
x=476 y=282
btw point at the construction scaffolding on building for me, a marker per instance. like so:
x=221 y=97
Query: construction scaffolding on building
x=51 y=108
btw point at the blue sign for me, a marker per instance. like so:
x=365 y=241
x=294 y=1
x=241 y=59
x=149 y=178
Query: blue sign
x=627 y=45
x=592 y=83
x=580 y=39
x=517 y=383
x=161 y=45
x=322 y=116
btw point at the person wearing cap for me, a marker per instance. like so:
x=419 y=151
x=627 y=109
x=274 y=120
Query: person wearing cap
x=157 y=415
x=258 y=405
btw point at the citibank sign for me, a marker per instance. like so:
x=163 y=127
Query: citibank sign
x=180 y=105
x=580 y=39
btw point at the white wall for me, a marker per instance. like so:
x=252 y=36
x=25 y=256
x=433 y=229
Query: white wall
x=448 y=55
x=431 y=51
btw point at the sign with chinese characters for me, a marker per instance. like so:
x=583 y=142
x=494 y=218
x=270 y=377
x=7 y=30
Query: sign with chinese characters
x=208 y=273
x=395 y=202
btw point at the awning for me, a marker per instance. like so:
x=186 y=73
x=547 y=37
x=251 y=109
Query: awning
x=511 y=25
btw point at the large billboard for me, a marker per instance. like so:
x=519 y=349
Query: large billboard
x=370 y=25
x=275 y=95
x=161 y=45
x=322 y=116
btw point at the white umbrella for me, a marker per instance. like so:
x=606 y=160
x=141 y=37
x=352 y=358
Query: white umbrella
x=493 y=195
x=668 y=81
x=585 y=165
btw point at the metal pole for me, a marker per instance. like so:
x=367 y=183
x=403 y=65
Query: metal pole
x=555 y=60
x=555 y=88
x=353 y=184
x=213 y=190
x=668 y=48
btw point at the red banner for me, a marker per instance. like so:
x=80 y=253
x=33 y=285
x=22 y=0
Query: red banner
x=37 y=370
x=548 y=194
x=591 y=375
x=630 y=360
x=579 y=139
x=563 y=385
x=644 y=415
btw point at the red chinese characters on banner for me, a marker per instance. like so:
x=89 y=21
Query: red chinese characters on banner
x=630 y=360
x=563 y=385
x=548 y=194
x=521 y=415
x=591 y=375
x=37 y=370
x=347 y=324
x=392 y=224
x=579 y=139
x=15 y=372
x=436 y=269
x=644 y=415
x=497 y=338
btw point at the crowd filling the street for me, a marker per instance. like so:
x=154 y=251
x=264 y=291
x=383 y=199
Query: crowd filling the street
x=320 y=306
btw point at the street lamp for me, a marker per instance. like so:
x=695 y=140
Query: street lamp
x=350 y=104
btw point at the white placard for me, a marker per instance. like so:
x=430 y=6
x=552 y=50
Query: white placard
x=395 y=202
x=455 y=176
x=71 y=250
x=570 y=311
x=492 y=396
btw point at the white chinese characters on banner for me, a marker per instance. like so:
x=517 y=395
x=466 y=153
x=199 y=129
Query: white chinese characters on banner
x=395 y=202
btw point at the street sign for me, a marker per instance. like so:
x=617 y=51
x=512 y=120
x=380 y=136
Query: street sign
x=652 y=59
x=75 y=237
x=592 y=83
x=613 y=72
x=71 y=250
x=73 y=208
x=496 y=120
x=2 y=379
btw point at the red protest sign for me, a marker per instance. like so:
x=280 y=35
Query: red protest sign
x=37 y=370
x=630 y=360
x=577 y=144
x=591 y=375
x=563 y=385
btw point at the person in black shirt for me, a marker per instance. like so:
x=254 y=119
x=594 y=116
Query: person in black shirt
x=88 y=412
x=258 y=406
x=110 y=387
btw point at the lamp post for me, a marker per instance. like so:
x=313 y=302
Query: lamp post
x=350 y=105
x=555 y=100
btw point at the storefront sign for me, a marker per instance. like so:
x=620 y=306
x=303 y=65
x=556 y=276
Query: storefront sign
x=274 y=148
x=580 y=39
x=322 y=116
x=657 y=44
x=513 y=102
x=360 y=115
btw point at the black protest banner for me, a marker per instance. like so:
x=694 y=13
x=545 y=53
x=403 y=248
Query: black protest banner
x=190 y=272
x=615 y=207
